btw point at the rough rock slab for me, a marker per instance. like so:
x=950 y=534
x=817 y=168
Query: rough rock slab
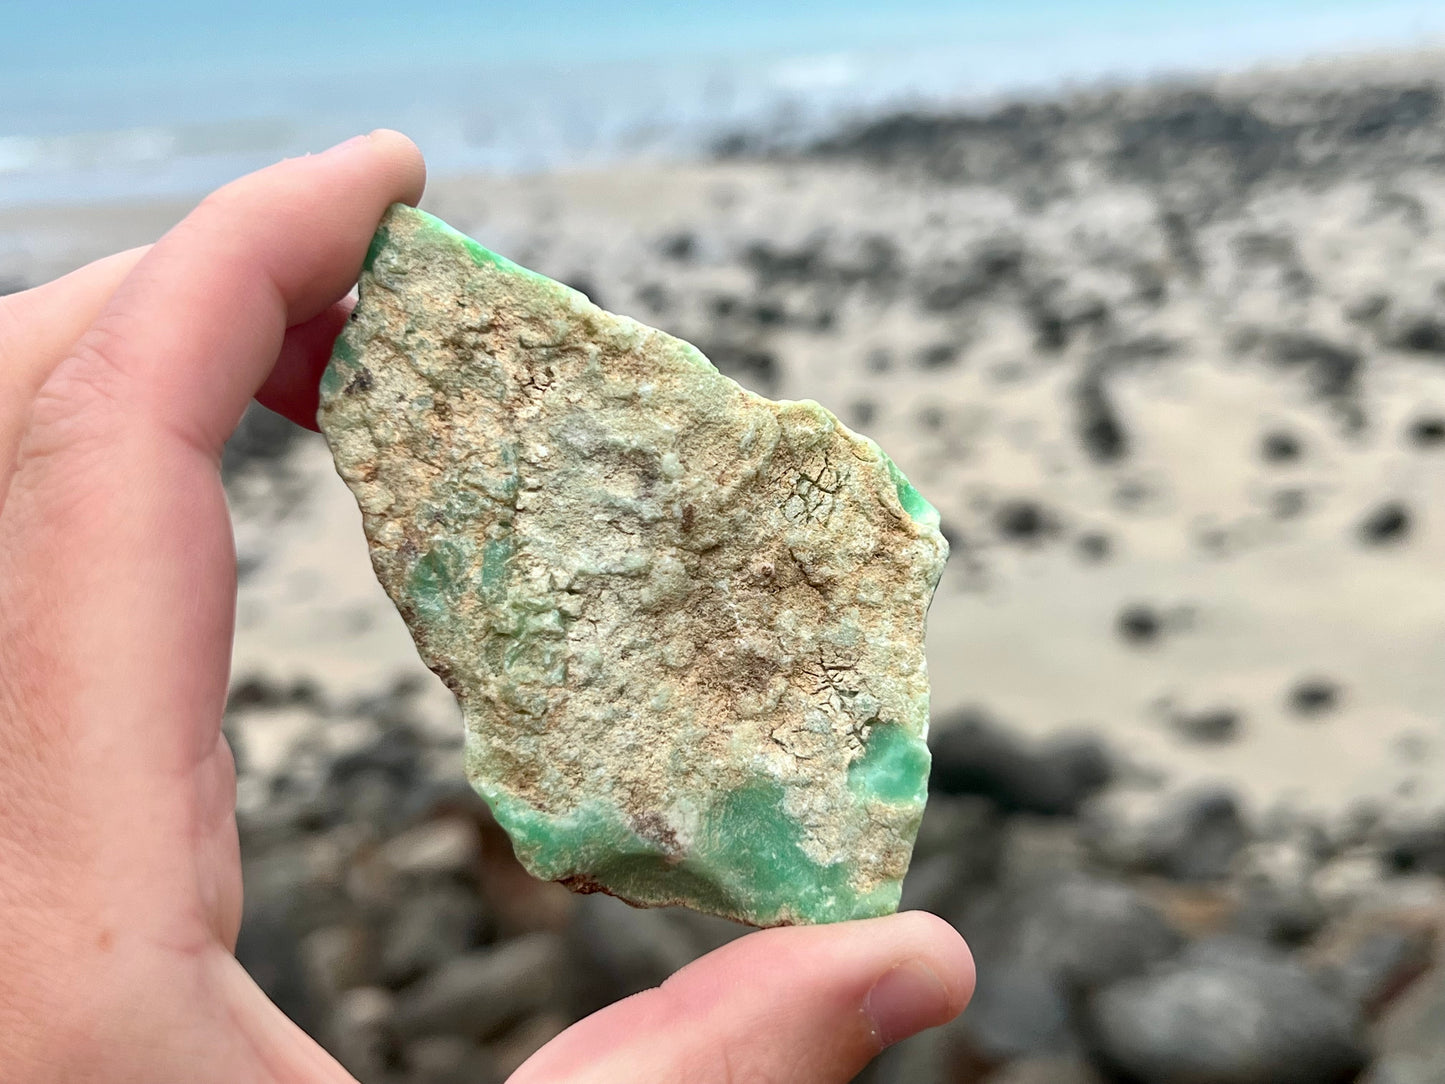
x=684 y=622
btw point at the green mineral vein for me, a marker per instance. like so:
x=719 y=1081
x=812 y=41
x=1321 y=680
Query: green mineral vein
x=684 y=622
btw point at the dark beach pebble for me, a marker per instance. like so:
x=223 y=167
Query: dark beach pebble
x=751 y=366
x=960 y=845
x=951 y=535
x=1314 y=696
x=974 y=755
x=767 y=313
x=1212 y=726
x=429 y=927
x=932 y=418
x=1390 y=522
x=681 y=246
x=1427 y=432
x=938 y=356
x=257 y=691
x=655 y=298
x=1418 y=849
x=1418 y=333
x=1280 y=446
x=616 y=951
x=1139 y=624
x=1095 y=546
x=269 y=947
x=262 y=438
x=1412 y=1034
x=1334 y=369
x=1099 y=427
x=1024 y=521
x=778 y=263
x=950 y=286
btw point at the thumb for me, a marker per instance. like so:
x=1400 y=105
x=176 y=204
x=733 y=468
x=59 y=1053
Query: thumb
x=809 y=1005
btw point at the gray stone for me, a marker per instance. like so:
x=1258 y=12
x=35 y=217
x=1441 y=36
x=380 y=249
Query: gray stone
x=1019 y=1008
x=449 y=1059
x=478 y=994
x=1370 y=958
x=524 y=1040
x=1041 y=945
x=1196 y=836
x=1277 y=901
x=447 y=845
x=1226 y=1013
x=619 y=950
x=1080 y=926
x=1047 y=1069
x=972 y=754
x=279 y=905
x=429 y=928
x=355 y=1033
x=957 y=856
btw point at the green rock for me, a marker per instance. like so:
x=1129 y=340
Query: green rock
x=684 y=622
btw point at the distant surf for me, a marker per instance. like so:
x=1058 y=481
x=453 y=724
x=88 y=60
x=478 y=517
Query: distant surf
x=79 y=121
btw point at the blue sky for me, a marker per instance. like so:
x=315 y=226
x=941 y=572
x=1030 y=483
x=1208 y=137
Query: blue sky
x=92 y=35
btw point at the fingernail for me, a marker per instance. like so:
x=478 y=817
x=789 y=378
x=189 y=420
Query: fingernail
x=352 y=142
x=905 y=1001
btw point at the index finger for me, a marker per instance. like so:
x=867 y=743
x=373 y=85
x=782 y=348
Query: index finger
x=193 y=331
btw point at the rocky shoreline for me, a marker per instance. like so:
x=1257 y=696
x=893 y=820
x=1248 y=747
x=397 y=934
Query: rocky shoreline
x=386 y=914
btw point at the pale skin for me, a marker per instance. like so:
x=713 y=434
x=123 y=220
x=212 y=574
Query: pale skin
x=120 y=877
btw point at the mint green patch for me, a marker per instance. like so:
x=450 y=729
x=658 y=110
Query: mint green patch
x=485 y=257
x=433 y=578
x=893 y=767
x=332 y=379
x=379 y=240
x=913 y=501
x=344 y=360
x=344 y=351
x=495 y=555
x=746 y=862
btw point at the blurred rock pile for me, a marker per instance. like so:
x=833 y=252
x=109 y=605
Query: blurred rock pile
x=385 y=913
x=1168 y=943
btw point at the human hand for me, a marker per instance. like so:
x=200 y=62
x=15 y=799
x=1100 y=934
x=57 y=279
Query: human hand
x=120 y=887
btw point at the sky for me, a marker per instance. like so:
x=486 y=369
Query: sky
x=103 y=35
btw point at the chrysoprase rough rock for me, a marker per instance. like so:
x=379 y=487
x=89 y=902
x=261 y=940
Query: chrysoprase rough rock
x=685 y=623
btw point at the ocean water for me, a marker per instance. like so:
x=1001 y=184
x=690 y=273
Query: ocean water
x=100 y=100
